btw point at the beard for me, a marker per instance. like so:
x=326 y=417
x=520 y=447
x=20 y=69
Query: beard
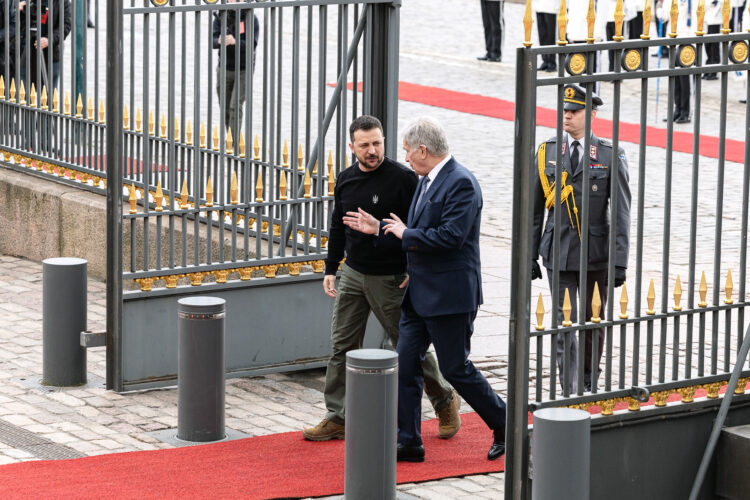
x=370 y=162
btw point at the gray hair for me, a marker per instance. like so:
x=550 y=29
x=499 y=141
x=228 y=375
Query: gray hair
x=427 y=132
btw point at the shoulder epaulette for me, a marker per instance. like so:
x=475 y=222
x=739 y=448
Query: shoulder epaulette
x=605 y=142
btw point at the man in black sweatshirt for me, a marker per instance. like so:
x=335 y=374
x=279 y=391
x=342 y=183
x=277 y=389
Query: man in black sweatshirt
x=372 y=279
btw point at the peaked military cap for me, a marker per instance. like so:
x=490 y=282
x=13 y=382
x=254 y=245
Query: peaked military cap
x=575 y=98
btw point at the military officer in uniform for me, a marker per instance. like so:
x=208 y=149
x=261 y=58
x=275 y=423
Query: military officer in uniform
x=600 y=163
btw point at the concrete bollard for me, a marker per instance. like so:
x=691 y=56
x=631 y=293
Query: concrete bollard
x=561 y=454
x=200 y=369
x=64 y=285
x=371 y=390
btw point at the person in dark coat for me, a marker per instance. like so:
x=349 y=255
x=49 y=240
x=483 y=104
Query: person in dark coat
x=46 y=33
x=600 y=176
x=7 y=68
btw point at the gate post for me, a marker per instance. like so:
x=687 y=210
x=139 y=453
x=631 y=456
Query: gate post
x=113 y=162
x=381 y=69
x=517 y=438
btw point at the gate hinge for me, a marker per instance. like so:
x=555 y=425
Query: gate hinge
x=93 y=339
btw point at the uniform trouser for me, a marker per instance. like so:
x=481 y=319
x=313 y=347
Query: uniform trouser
x=546 y=24
x=713 y=55
x=358 y=294
x=492 y=18
x=235 y=83
x=451 y=336
x=635 y=26
x=570 y=280
x=682 y=95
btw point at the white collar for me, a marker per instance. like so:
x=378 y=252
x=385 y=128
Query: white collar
x=437 y=168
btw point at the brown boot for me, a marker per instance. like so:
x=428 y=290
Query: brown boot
x=448 y=420
x=325 y=431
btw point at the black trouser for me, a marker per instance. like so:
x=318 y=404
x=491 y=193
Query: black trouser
x=610 y=35
x=635 y=26
x=712 y=49
x=546 y=26
x=570 y=280
x=682 y=96
x=492 y=17
x=735 y=20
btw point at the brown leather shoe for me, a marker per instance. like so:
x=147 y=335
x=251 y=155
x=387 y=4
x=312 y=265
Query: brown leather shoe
x=324 y=431
x=448 y=419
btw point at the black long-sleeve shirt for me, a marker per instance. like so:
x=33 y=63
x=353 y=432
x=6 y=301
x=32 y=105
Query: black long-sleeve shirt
x=389 y=188
x=236 y=27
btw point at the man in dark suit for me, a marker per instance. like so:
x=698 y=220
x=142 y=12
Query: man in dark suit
x=441 y=240
x=600 y=179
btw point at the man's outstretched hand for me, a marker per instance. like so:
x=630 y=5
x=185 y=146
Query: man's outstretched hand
x=395 y=226
x=362 y=221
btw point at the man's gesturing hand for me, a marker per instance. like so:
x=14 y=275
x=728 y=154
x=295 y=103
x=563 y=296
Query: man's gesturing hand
x=329 y=285
x=394 y=226
x=362 y=221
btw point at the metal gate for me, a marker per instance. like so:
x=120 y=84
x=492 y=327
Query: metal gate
x=229 y=192
x=676 y=334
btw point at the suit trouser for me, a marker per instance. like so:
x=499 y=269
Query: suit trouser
x=492 y=18
x=635 y=26
x=571 y=281
x=713 y=55
x=546 y=25
x=234 y=93
x=451 y=336
x=358 y=294
x=682 y=95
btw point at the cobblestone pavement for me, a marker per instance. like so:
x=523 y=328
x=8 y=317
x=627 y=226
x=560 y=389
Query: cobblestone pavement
x=92 y=421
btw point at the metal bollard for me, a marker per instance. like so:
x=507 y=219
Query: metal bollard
x=64 y=285
x=561 y=453
x=200 y=369
x=371 y=390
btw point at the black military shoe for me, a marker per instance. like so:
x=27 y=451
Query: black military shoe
x=498 y=445
x=409 y=453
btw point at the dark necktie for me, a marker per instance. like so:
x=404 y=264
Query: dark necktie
x=574 y=155
x=425 y=184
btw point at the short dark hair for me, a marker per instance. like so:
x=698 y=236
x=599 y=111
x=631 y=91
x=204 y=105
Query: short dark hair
x=364 y=122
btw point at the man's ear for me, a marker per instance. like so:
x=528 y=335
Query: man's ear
x=351 y=147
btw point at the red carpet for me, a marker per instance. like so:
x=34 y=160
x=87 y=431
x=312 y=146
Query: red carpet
x=276 y=466
x=504 y=110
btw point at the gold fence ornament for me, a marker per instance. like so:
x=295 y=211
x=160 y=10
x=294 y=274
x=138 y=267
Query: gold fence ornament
x=184 y=195
x=527 y=22
x=726 y=11
x=650 y=299
x=32 y=96
x=12 y=90
x=687 y=393
x=138 y=120
x=315 y=168
x=132 y=199
x=624 y=302
x=307 y=184
x=728 y=288
x=646 y=20
x=221 y=275
x=712 y=390
x=282 y=187
x=2 y=87
x=562 y=23
x=44 y=97
x=677 y=294
x=330 y=160
x=540 y=314
x=660 y=398
x=245 y=273
x=674 y=12
x=701 y=14
x=590 y=20
x=209 y=193
x=216 y=138
x=294 y=268
x=270 y=270
x=229 y=141
x=171 y=280
x=702 y=290
x=741 y=384
x=189 y=133
x=633 y=404
x=619 y=17
x=256 y=148
x=125 y=116
x=566 y=309
x=146 y=283
x=151 y=122
x=318 y=266
x=202 y=135
x=300 y=159
x=158 y=197
x=596 y=304
x=21 y=93
x=163 y=127
x=90 y=109
x=607 y=406
x=101 y=110
x=241 y=145
x=331 y=179
x=196 y=279
x=285 y=155
x=259 y=189
x=233 y=190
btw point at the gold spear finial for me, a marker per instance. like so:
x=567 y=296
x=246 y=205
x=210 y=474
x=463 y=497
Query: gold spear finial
x=330 y=160
x=176 y=128
x=300 y=159
x=677 y=294
x=331 y=179
x=163 y=127
x=259 y=189
x=55 y=101
x=702 y=290
x=728 y=288
x=590 y=20
x=596 y=304
x=229 y=144
x=32 y=95
x=241 y=145
x=101 y=110
x=12 y=90
x=674 y=12
x=138 y=120
x=2 y=87
x=562 y=23
x=285 y=155
x=158 y=197
x=619 y=17
x=151 y=122
x=44 y=97
x=624 y=302
x=282 y=186
x=646 y=20
x=307 y=184
x=209 y=193
x=566 y=309
x=256 y=148
x=315 y=168
x=540 y=313
x=216 y=138
x=527 y=22
x=131 y=198
x=726 y=10
x=346 y=157
x=21 y=93
x=233 y=189
x=90 y=109
x=189 y=132
x=700 y=12
x=202 y=135
x=184 y=195
x=650 y=299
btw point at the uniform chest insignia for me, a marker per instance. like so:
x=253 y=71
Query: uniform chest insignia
x=598 y=166
x=375 y=199
x=564 y=146
x=592 y=153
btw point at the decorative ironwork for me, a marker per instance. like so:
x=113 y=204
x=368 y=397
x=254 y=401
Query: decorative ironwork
x=576 y=64
x=686 y=55
x=631 y=60
x=738 y=52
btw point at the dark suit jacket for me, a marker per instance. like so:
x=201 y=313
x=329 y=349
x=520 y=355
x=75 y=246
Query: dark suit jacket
x=442 y=245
